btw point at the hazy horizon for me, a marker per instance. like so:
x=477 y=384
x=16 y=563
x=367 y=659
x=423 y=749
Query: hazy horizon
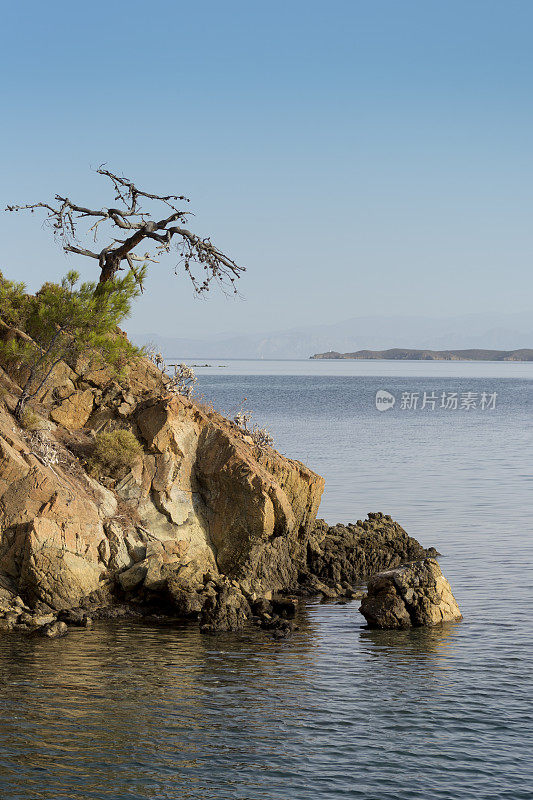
x=485 y=331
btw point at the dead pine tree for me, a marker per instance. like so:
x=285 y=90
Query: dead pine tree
x=135 y=227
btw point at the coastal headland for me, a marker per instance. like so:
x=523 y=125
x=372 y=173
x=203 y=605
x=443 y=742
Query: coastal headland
x=402 y=354
x=200 y=520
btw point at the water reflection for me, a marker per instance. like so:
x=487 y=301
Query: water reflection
x=157 y=711
x=129 y=704
x=428 y=646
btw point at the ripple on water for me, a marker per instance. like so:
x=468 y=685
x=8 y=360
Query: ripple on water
x=144 y=711
x=149 y=711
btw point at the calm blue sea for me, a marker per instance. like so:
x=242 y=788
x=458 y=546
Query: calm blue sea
x=150 y=711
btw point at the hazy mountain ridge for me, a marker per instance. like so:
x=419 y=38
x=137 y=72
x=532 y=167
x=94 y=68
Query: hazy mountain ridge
x=483 y=331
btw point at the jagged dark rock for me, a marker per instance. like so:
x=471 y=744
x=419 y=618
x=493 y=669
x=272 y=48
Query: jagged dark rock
x=77 y=617
x=224 y=609
x=347 y=555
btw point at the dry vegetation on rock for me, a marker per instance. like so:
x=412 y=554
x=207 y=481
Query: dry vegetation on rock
x=115 y=452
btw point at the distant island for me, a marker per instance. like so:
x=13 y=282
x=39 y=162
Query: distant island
x=398 y=354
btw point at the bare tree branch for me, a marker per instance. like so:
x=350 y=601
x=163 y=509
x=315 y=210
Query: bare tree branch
x=81 y=251
x=66 y=217
x=133 y=193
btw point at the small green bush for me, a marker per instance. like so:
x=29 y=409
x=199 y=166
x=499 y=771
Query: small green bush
x=115 y=452
x=31 y=421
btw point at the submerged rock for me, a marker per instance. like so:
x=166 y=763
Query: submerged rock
x=414 y=595
x=75 y=616
x=6 y=625
x=54 y=630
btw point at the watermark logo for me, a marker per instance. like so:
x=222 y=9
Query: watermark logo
x=437 y=401
x=384 y=400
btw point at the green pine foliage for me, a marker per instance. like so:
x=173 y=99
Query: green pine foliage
x=13 y=302
x=62 y=322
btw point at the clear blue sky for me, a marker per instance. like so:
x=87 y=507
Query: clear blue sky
x=357 y=157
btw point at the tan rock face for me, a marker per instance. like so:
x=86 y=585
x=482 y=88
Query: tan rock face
x=253 y=509
x=61 y=386
x=202 y=499
x=75 y=410
x=50 y=528
x=414 y=595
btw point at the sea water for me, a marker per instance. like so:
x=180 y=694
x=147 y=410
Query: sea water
x=137 y=710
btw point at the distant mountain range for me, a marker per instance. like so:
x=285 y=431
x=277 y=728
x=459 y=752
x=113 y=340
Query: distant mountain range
x=494 y=331
x=397 y=354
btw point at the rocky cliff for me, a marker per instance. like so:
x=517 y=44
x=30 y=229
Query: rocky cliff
x=203 y=522
x=202 y=494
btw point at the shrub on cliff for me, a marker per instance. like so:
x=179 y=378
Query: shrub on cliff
x=62 y=322
x=260 y=436
x=114 y=453
x=31 y=422
x=13 y=302
x=184 y=379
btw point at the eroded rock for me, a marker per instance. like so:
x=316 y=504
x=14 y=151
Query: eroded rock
x=225 y=609
x=77 y=617
x=349 y=554
x=417 y=594
x=75 y=410
x=205 y=524
x=54 y=630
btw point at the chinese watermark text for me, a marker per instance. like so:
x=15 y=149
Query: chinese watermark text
x=437 y=401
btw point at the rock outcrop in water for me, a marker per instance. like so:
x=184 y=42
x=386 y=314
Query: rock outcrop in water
x=342 y=554
x=413 y=595
x=203 y=524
